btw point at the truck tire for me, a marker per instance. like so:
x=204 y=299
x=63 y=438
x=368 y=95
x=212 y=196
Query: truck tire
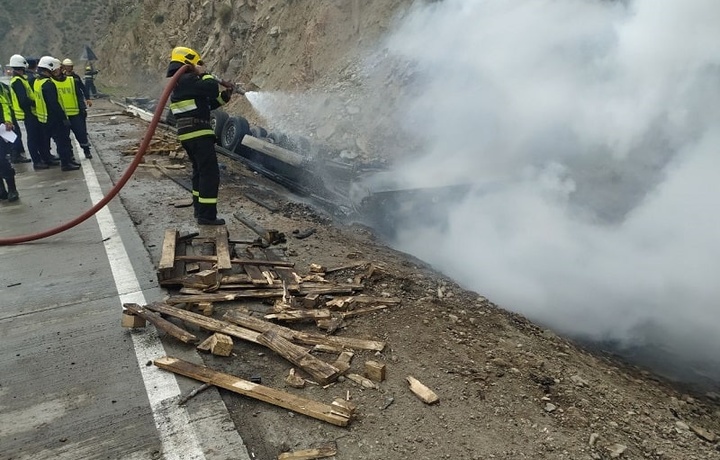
x=218 y=118
x=233 y=131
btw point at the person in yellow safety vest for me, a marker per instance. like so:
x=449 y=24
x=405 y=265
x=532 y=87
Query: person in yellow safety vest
x=71 y=96
x=51 y=115
x=7 y=172
x=18 y=149
x=23 y=99
x=194 y=96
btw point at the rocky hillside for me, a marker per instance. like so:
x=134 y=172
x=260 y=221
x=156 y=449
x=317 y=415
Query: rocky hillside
x=39 y=27
x=277 y=44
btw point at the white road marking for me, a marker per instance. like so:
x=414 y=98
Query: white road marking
x=177 y=435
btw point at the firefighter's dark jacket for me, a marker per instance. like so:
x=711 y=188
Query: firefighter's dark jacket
x=192 y=100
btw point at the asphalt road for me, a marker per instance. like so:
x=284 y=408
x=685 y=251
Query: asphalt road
x=73 y=383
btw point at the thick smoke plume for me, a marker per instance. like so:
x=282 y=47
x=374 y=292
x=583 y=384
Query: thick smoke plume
x=588 y=135
x=602 y=119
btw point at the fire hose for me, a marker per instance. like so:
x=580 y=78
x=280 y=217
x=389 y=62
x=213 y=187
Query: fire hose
x=120 y=183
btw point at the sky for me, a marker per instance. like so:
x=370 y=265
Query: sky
x=588 y=133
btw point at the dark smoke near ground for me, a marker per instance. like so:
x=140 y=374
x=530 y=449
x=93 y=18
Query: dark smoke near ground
x=580 y=142
x=603 y=119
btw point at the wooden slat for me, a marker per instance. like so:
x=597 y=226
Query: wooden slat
x=309 y=454
x=238 y=261
x=255 y=274
x=425 y=394
x=299 y=315
x=260 y=325
x=167 y=260
x=318 y=369
x=229 y=382
x=161 y=323
x=287 y=275
x=222 y=248
x=299 y=356
x=211 y=324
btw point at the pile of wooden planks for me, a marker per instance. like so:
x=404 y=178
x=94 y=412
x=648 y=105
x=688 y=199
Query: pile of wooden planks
x=161 y=144
x=205 y=270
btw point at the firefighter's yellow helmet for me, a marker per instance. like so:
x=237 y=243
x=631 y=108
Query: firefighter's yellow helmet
x=185 y=55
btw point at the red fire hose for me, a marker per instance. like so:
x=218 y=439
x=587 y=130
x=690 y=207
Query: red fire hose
x=120 y=183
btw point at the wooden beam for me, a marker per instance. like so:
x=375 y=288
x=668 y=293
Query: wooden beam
x=210 y=324
x=167 y=260
x=297 y=355
x=305 y=338
x=309 y=454
x=199 y=258
x=222 y=248
x=299 y=315
x=161 y=324
x=319 y=370
x=229 y=382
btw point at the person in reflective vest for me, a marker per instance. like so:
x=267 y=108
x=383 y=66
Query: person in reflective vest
x=7 y=172
x=50 y=113
x=90 y=73
x=194 y=96
x=23 y=99
x=73 y=103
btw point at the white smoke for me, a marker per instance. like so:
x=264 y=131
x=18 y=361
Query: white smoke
x=602 y=118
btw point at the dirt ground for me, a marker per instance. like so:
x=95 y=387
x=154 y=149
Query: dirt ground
x=507 y=388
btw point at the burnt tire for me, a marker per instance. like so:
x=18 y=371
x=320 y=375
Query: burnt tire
x=233 y=131
x=218 y=118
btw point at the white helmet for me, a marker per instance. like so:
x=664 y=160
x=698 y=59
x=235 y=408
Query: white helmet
x=49 y=63
x=67 y=62
x=18 y=61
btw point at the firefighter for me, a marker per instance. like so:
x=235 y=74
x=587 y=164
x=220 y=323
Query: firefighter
x=49 y=111
x=72 y=98
x=90 y=73
x=194 y=96
x=7 y=172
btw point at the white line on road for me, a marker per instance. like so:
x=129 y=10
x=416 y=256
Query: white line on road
x=177 y=435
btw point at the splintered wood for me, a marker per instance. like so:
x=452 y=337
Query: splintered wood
x=210 y=270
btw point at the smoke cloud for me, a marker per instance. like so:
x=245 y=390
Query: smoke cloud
x=585 y=134
x=601 y=121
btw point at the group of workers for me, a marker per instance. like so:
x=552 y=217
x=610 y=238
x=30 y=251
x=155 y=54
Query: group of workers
x=51 y=100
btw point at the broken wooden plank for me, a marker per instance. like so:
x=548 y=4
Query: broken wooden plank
x=167 y=259
x=362 y=381
x=222 y=248
x=238 y=261
x=425 y=394
x=318 y=369
x=217 y=344
x=343 y=361
x=279 y=398
x=210 y=324
x=297 y=355
x=309 y=454
x=260 y=325
x=375 y=371
x=132 y=321
x=255 y=274
x=294 y=380
x=299 y=315
x=161 y=324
